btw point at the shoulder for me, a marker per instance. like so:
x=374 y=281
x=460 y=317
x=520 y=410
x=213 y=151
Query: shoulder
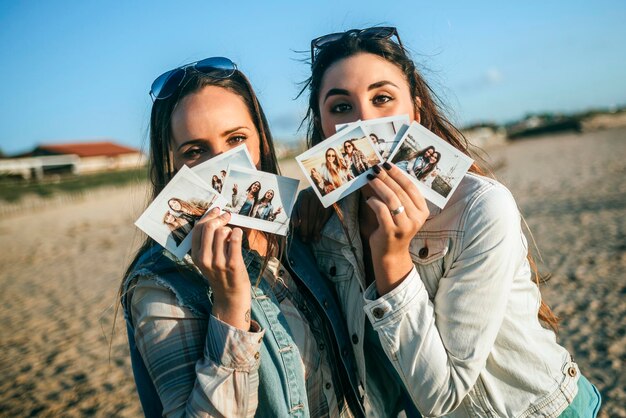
x=157 y=274
x=485 y=204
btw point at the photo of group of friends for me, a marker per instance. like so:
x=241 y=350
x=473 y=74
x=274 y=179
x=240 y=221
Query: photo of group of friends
x=259 y=200
x=385 y=133
x=435 y=166
x=170 y=218
x=229 y=181
x=337 y=166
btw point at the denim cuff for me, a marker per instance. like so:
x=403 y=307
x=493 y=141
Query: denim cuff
x=233 y=348
x=382 y=309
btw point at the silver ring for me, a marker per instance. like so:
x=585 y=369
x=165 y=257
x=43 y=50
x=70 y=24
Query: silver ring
x=397 y=211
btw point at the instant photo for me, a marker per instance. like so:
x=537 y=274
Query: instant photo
x=338 y=166
x=259 y=200
x=171 y=216
x=385 y=133
x=435 y=166
x=214 y=170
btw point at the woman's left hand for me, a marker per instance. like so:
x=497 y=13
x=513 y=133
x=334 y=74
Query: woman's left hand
x=401 y=212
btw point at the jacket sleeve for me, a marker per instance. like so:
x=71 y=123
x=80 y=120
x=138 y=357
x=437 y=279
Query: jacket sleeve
x=440 y=347
x=199 y=369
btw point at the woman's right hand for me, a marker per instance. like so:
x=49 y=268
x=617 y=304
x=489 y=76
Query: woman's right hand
x=309 y=216
x=216 y=251
x=235 y=188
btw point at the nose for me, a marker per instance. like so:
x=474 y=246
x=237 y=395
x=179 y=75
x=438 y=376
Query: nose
x=365 y=110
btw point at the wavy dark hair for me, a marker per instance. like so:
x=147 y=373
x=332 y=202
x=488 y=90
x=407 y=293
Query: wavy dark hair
x=429 y=107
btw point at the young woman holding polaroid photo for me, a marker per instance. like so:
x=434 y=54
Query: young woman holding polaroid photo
x=243 y=331
x=440 y=303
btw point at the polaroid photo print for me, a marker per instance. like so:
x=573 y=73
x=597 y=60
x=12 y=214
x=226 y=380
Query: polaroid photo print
x=384 y=132
x=171 y=217
x=435 y=166
x=259 y=200
x=338 y=166
x=214 y=170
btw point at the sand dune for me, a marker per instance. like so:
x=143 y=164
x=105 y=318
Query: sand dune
x=60 y=267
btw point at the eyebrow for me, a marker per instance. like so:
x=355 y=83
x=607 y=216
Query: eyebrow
x=336 y=92
x=381 y=84
x=343 y=92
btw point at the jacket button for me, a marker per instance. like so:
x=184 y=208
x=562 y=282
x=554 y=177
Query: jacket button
x=355 y=339
x=326 y=304
x=281 y=272
x=333 y=271
x=378 y=312
x=256 y=355
x=328 y=386
x=571 y=371
x=321 y=346
x=423 y=253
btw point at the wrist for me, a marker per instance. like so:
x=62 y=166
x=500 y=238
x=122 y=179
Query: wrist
x=391 y=270
x=235 y=311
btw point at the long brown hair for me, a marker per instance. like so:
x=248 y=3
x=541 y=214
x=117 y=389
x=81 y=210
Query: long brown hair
x=190 y=208
x=160 y=164
x=334 y=169
x=429 y=107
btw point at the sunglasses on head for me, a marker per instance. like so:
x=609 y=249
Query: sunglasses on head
x=376 y=32
x=166 y=84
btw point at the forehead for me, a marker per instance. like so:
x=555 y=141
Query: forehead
x=208 y=112
x=359 y=71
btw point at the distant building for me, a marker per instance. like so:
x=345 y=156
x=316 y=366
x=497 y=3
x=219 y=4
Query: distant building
x=95 y=156
x=77 y=158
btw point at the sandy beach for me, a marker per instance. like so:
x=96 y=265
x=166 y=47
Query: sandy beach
x=61 y=265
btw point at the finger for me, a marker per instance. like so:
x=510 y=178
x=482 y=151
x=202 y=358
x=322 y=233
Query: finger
x=234 y=257
x=412 y=211
x=196 y=232
x=205 y=247
x=413 y=192
x=389 y=198
x=219 y=247
x=381 y=210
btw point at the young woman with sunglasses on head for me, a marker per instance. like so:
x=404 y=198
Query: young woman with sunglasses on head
x=243 y=331
x=443 y=298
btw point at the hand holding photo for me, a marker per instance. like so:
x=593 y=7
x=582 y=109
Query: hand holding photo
x=435 y=166
x=171 y=217
x=214 y=170
x=259 y=200
x=338 y=165
x=385 y=133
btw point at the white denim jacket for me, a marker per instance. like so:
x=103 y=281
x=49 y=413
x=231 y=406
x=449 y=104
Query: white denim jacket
x=462 y=328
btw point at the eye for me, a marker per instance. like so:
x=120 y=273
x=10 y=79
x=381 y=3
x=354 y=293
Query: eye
x=381 y=99
x=236 y=139
x=193 y=152
x=340 y=108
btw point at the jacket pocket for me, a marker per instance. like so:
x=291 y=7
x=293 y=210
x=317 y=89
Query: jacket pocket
x=428 y=254
x=336 y=269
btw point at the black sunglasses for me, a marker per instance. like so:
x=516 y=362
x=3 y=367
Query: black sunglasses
x=376 y=32
x=166 y=84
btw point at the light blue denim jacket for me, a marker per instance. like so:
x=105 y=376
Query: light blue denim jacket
x=282 y=390
x=461 y=330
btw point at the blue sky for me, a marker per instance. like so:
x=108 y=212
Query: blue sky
x=81 y=70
